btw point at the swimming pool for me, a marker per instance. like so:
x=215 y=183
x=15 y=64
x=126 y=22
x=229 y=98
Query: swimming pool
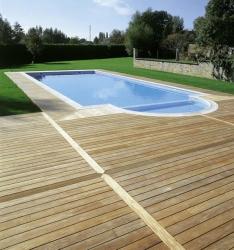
x=94 y=87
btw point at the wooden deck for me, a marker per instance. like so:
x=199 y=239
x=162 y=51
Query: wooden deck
x=171 y=182
x=50 y=198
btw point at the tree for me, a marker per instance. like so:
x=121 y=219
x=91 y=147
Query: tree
x=54 y=36
x=214 y=31
x=6 y=32
x=33 y=41
x=74 y=40
x=117 y=37
x=84 y=41
x=140 y=36
x=18 y=33
x=178 y=24
x=96 y=40
x=101 y=37
x=148 y=29
x=179 y=42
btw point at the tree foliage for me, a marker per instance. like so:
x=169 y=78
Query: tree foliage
x=10 y=34
x=6 y=32
x=54 y=36
x=33 y=41
x=214 y=30
x=140 y=36
x=147 y=30
x=117 y=37
x=179 y=42
x=177 y=24
x=18 y=33
x=74 y=40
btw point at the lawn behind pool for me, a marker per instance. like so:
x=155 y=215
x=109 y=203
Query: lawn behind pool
x=14 y=101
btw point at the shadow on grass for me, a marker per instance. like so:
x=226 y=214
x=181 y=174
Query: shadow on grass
x=32 y=66
x=13 y=107
x=56 y=63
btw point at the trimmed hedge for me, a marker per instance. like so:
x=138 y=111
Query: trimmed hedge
x=58 y=52
x=14 y=55
x=18 y=54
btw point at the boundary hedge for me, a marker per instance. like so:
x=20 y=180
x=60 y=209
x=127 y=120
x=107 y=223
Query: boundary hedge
x=18 y=54
x=14 y=55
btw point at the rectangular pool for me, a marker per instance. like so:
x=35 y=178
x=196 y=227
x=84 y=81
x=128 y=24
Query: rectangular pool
x=92 y=87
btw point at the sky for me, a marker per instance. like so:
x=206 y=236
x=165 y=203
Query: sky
x=73 y=17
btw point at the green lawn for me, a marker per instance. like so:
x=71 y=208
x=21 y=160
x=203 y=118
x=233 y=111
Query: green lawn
x=14 y=101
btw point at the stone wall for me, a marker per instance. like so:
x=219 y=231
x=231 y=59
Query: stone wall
x=202 y=69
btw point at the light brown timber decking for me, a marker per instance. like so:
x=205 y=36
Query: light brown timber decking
x=178 y=170
x=51 y=198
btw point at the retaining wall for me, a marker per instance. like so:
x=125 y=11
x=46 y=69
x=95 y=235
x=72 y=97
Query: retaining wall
x=202 y=69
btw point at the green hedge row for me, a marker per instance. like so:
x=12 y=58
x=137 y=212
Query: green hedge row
x=14 y=55
x=18 y=54
x=78 y=52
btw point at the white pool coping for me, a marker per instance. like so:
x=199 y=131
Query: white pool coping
x=212 y=106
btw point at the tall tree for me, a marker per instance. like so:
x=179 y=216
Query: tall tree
x=33 y=41
x=148 y=29
x=101 y=37
x=117 y=37
x=215 y=31
x=55 y=36
x=177 y=24
x=18 y=33
x=95 y=40
x=6 y=32
x=179 y=42
x=74 y=40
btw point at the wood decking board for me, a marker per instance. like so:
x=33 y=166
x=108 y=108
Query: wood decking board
x=51 y=198
x=225 y=111
x=110 y=155
x=60 y=225
x=19 y=174
x=178 y=170
x=179 y=173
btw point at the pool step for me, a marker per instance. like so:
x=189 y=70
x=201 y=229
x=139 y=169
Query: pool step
x=154 y=106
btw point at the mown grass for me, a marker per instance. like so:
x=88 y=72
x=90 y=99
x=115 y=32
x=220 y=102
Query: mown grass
x=14 y=101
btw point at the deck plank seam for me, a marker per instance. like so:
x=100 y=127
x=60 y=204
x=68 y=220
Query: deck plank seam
x=160 y=231
x=53 y=194
x=217 y=119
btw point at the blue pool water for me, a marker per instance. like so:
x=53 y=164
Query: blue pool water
x=95 y=88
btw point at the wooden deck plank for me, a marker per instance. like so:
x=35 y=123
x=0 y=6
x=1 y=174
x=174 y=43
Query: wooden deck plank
x=44 y=201
x=226 y=242
x=88 y=214
x=178 y=170
x=225 y=111
x=21 y=168
x=212 y=236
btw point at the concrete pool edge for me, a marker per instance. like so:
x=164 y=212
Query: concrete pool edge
x=201 y=96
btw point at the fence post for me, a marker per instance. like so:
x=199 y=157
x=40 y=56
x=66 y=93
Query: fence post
x=134 y=54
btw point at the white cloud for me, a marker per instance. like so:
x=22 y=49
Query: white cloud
x=119 y=6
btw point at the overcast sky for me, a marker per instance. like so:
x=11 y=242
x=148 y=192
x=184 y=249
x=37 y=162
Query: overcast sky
x=74 y=16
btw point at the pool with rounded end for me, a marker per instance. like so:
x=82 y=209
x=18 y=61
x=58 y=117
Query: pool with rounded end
x=95 y=87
